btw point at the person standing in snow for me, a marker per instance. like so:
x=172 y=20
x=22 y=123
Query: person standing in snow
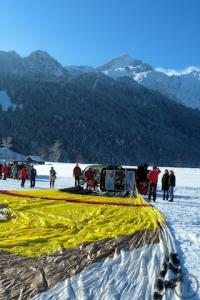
x=89 y=175
x=23 y=175
x=33 y=174
x=172 y=184
x=14 y=171
x=165 y=185
x=77 y=173
x=153 y=180
x=1 y=166
x=5 y=171
x=52 y=177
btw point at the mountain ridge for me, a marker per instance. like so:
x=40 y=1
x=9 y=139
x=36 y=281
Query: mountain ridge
x=92 y=117
x=37 y=63
x=99 y=119
x=181 y=86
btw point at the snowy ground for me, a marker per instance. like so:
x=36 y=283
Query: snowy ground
x=183 y=215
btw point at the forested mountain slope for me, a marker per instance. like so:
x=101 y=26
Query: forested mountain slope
x=98 y=119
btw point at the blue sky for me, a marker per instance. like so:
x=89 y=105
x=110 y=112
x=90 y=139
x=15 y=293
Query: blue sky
x=160 y=32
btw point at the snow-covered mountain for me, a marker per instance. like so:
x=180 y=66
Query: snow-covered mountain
x=38 y=64
x=124 y=65
x=34 y=92
x=181 y=86
x=9 y=61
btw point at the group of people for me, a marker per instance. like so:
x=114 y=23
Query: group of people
x=24 y=172
x=168 y=179
x=12 y=170
x=89 y=176
x=168 y=184
x=24 y=175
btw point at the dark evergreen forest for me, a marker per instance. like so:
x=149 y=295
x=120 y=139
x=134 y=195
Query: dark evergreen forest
x=95 y=118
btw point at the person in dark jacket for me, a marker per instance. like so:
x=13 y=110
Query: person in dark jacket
x=1 y=166
x=141 y=179
x=172 y=184
x=52 y=177
x=77 y=174
x=33 y=174
x=165 y=185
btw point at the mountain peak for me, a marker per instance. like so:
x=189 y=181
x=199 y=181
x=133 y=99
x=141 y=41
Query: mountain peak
x=124 y=65
x=124 y=58
x=192 y=69
x=9 y=61
x=14 y=54
x=40 y=62
x=39 y=54
x=119 y=61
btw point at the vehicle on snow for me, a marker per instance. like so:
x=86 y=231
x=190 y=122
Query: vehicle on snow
x=115 y=178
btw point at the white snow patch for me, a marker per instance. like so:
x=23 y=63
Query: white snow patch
x=171 y=72
x=5 y=101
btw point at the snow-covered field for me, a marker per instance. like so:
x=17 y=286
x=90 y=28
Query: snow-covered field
x=183 y=215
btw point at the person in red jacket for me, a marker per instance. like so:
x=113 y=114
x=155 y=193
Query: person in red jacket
x=5 y=171
x=23 y=175
x=89 y=174
x=153 y=180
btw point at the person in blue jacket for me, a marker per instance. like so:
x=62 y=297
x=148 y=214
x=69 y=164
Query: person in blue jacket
x=33 y=174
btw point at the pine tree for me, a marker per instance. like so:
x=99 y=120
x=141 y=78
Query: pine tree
x=7 y=142
x=43 y=152
x=55 y=151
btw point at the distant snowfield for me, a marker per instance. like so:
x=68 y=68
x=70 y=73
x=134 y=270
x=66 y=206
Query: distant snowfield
x=182 y=216
x=5 y=101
